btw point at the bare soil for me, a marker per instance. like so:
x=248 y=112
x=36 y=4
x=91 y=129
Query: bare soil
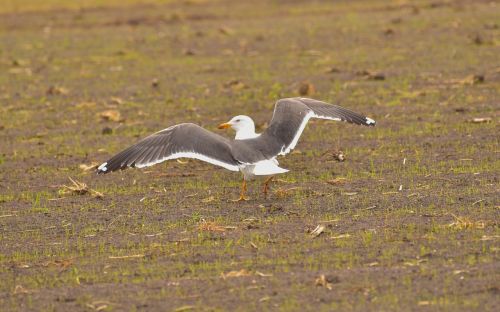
x=409 y=221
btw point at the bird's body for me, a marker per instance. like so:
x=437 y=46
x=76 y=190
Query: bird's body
x=251 y=153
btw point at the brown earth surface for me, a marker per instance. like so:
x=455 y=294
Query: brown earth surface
x=409 y=221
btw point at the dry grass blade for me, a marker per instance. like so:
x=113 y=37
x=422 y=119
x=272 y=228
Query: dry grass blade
x=341 y=236
x=331 y=220
x=63 y=264
x=350 y=193
x=481 y=120
x=98 y=305
x=111 y=115
x=86 y=105
x=174 y=174
x=282 y=193
x=80 y=188
x=235 y=85
x=318 y=230
x=88 y=167
x=240 y=273
x=208 y=199
x=337 y=181
x=127 y=257
x=116 y=100
x=416 y=262
x=489 y=238
x=477 y=202
x=462 y=223
x=323 y=282
x=210 y=226
x=469 y=80
x=472 y=80
x=226 y=30
x=21 y=290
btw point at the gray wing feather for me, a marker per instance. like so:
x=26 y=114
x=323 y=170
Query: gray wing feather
x=183 y=140
x=331 y=111
x=289 y=119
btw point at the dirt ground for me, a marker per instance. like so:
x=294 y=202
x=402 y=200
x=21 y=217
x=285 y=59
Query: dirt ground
x=408 y=222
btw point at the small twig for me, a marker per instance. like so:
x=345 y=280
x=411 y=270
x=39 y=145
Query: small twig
x=126 y=257
x=477 y=202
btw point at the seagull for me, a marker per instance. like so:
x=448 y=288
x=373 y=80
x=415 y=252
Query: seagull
x=251 y=153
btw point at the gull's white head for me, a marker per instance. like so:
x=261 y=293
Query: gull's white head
x=243 y=125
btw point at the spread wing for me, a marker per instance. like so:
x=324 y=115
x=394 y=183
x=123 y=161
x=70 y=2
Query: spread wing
x=290 y=118
x=183 y=140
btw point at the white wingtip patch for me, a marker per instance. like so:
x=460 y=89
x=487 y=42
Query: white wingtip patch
x=370 y=121
x=103 y=167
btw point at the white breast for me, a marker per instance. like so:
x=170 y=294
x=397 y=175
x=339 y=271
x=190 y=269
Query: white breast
x=243 y=134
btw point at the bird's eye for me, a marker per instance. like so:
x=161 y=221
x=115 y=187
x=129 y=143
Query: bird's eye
x=238 y=120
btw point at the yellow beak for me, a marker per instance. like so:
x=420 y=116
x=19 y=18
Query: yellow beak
x=224 y=125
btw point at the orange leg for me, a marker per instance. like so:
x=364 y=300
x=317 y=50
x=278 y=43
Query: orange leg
x=265 y=189
x=243 y=192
